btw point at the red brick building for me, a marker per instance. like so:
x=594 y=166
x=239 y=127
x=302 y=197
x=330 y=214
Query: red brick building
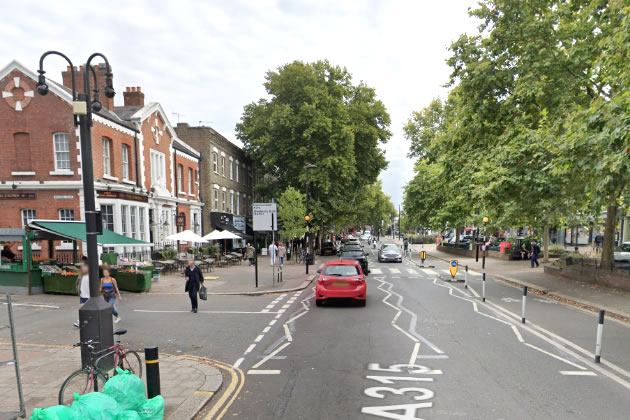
x=137 y=158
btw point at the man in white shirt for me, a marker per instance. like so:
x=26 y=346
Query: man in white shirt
x=83 y=287
x=273 y=249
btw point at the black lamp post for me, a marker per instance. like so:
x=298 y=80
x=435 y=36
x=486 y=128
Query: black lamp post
x=95 y=316
x=308 y=217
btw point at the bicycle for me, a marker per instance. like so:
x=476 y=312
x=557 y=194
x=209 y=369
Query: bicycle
x=88 y=379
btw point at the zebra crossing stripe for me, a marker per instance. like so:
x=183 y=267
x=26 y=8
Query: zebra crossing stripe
x=394 y=270
x=429 y=272
x=412 y=271
x=376 y=271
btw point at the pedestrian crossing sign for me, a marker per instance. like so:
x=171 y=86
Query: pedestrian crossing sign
x=453 y=268
x=423 y=255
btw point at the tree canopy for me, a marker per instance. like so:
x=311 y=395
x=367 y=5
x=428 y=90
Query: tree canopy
x=314 y=113
x=535 y=127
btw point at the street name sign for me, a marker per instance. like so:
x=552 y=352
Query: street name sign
x=263 y=213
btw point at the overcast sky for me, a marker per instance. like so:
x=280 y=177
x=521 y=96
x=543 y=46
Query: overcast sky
x=207 y=59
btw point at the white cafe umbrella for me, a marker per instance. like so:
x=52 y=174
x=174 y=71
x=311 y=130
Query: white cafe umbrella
x=186 y=236
x=215 y=235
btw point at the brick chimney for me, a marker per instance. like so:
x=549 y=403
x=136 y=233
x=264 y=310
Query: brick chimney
x=100 y=70
x=133 y=96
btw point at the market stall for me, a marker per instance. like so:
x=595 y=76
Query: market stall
x=47 y=276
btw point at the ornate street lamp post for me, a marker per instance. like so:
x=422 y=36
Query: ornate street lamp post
x=95 y=316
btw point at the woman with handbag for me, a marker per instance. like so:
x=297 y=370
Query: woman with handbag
x=194 y=284
x=110 y=291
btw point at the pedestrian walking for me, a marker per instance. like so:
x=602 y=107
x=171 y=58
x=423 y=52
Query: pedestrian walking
x=535 y=252
x=273 y=252
x=599 y=239
x=83 y=287
x=110 y=291
x=282 y=253
x=251 y=252
x=194 y=280
x=406 y=245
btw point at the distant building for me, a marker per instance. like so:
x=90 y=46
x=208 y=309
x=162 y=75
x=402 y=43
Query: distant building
x=226 y=180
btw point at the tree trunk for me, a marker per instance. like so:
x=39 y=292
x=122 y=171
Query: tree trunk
x=457 y=236
x=608 y=246
x=546 y=244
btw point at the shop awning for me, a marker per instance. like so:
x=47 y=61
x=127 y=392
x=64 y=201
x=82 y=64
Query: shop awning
x=76 y=231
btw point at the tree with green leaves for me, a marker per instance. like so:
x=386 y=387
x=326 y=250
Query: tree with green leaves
x=291 y=211
x=314 y=113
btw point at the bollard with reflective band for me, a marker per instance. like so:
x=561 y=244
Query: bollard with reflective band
x=523 y=306
x=153 y=371
x=483 y=288
x=466 y=278
x=483 y=260
x=598 y=342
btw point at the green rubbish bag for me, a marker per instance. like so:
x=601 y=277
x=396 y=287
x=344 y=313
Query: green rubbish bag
x=95 y=406
x=128 y=415
x=152 y=409
x=56 y=412
x=127 y=389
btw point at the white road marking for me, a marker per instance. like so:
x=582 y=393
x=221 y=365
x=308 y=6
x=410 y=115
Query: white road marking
x=203 y=312
x=250 y=348
x=509 y=300
x=278 y=316
x=518 y=334
x=265 y=310
x=287 y=333
x=281 y=311
x=414 y=353
x=577 y=373
x=305 y=305
x=263 y=372
x=555 y=356
x=372 y=270
x=394 y=270
x=295 y=317
x=429 y=271
x=33 y=305
x=411 y=271
x=432 y=356
x=286 y=306
x=238 y=363
x=273 y=321
x=260 y=337
x=266 y=330
x=270 y=355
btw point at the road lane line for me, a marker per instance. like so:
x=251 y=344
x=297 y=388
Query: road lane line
x=518 y=334
x=273 y=321
x=238 y=362
x=296 y=317
x=555 y=356
x=204 y=312
x=265 y=310
x=432 y=356
x=287 y=333
x=266 y=330
x=250 y=348
x=263 y=372
x=414 y=354
x=32 y=305
x=270 y=355
x=278 y=316
x=260 y=337
x=577 y=373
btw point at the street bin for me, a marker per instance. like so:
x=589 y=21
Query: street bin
x=310 y=259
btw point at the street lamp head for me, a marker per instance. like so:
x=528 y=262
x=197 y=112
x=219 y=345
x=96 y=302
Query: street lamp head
x=307 y=218
x=311 y=166
x=96 y=105
x=42 y=87
x=486 y=220
x=109 y=87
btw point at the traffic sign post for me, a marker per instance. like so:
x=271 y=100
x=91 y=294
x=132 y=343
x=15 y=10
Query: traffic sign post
x=453 y=265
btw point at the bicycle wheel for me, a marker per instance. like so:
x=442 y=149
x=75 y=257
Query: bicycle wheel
x=79 y=382
x=130 y=360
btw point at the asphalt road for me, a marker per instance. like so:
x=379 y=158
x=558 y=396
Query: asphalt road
x=422 y=348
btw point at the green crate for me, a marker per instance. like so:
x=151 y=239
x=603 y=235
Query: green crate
x=133 y=282
x=56 y=283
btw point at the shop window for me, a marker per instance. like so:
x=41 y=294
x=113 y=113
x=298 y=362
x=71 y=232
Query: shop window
x=62 y=151
x=107 y=213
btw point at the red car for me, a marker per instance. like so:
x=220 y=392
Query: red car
x=341 y=279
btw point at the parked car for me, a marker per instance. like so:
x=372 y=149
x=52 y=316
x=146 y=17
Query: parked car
x=341 y=279
x=350 y=247
x=357 y=255
x=622 y=252
x=389 y=252
x=328 y=248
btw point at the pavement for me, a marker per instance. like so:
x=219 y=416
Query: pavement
x=186 y=385
x=519 y=273
x=241 y=279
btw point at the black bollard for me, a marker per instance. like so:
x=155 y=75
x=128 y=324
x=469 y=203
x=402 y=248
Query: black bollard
x=483 y=260
x=598 y=340
x=153 y=371
x=523 y=304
